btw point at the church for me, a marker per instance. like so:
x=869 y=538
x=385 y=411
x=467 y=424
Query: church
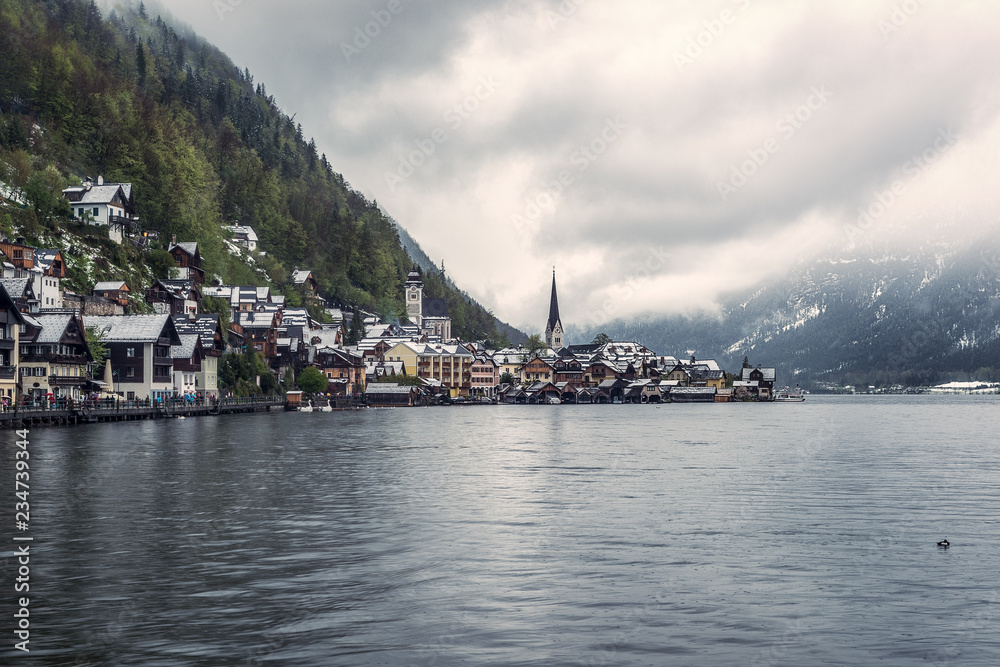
x=430 y=316
x=554 y=327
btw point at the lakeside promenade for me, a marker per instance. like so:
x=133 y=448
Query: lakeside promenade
x=68 y=412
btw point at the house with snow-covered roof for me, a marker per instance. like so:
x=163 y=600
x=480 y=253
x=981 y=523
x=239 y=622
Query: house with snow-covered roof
x=139 y=351
x=107 y=204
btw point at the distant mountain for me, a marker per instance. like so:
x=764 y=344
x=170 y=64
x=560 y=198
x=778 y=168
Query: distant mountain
x=855 y=317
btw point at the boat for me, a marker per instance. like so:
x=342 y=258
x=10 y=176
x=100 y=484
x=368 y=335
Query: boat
x=306 y=408
x=787 y=395
x=325 y=408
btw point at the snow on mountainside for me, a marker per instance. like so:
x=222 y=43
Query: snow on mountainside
x=909 y=316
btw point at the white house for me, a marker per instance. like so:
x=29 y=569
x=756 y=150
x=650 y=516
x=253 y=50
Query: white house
x=109 y=204
x=244 y=236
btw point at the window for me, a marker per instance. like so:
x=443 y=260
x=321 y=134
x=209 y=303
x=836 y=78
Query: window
x=95 y=211
x=130 y=352
x=39 y=371
x=25 y=370
x=130 y=373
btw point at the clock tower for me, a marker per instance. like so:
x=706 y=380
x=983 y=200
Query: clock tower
x=414 y=290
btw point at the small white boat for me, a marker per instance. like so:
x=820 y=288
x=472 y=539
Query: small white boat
x=325 y=408
x=306 y=408
x=787 y=395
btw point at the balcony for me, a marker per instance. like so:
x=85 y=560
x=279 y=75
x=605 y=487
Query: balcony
x=121 y=221
x=6 y=343
x=8 y=373
x=67 y=380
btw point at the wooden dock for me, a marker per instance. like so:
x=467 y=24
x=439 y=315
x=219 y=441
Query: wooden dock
x=90 y=412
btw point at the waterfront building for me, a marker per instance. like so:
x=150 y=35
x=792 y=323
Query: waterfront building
x=451 y=365
x=12 y=323
x=510 y=360
x=344 y=369
x=208 y=327
x=538 y=369
x=54 y=356
x=188 y=360
x=139 y=350
x=764 y=377
x=485 y=376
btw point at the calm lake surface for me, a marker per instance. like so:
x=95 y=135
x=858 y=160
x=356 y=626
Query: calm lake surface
x=773 y=534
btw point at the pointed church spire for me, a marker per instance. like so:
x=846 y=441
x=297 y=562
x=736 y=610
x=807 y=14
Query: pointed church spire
x=554 y=328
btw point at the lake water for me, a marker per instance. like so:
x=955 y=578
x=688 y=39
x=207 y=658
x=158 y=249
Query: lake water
x=772 y=534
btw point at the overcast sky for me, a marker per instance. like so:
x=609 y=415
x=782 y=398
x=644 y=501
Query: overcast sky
x=657 y=153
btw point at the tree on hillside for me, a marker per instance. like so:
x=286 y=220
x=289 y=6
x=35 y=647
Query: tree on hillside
x=533 y=346
x=312 y=381
x=601 y=339
x=356 y=331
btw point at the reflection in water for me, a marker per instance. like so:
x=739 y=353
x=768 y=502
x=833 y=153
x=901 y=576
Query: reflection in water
x=687 y=534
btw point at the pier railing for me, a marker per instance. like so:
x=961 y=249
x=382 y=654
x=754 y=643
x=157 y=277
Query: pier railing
x=62 y=407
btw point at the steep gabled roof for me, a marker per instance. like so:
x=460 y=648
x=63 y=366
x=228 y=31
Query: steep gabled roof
x=188 y=346
x=553 y=306
x=50 y=326
x=97 y=194
x=189 y=247
x=110 y=286
x=133 y=328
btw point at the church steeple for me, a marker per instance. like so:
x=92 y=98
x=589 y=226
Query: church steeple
x=554 y=328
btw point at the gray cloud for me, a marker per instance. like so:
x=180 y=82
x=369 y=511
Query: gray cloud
x=563 y=69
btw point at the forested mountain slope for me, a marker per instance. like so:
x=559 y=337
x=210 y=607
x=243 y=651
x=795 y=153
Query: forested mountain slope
x=134 y=99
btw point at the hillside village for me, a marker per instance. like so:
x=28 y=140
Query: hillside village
x=178 y=348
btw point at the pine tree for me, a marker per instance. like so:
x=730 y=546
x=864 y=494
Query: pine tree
x=140 y=64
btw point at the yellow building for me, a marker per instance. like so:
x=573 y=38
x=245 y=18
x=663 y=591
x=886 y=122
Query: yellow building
x=510 y=360
x=450 y=364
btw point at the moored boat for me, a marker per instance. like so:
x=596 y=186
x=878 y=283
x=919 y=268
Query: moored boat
x=787 y=395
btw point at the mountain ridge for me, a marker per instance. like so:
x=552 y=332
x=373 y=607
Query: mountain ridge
x=868 y=316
